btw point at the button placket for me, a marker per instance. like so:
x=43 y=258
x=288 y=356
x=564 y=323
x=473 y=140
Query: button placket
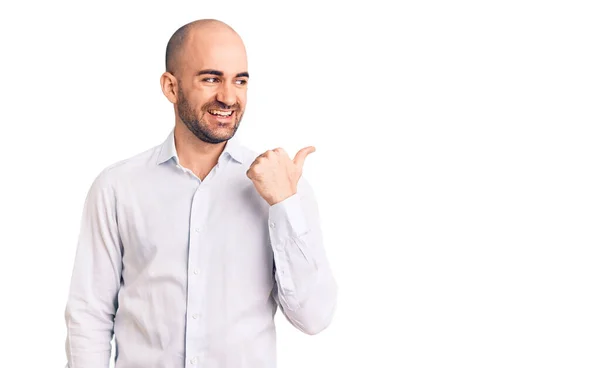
x=194 y=329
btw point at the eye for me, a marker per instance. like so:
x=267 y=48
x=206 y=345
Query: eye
x=210 y=80
x=241 y=82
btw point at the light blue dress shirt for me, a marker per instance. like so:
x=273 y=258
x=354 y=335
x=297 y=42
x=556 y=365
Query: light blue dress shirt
x=189 y=273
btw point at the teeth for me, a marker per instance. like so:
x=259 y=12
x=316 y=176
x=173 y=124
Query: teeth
x=221 y=113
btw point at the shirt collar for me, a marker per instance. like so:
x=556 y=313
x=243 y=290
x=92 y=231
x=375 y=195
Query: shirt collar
x=167 y=150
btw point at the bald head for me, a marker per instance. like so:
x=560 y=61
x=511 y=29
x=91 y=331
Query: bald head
x=206 y=79
x=200 y=31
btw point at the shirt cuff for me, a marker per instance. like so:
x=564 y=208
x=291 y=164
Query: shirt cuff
x=287 y=219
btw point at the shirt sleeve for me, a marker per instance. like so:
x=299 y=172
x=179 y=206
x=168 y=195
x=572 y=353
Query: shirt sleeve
x=306 y=289
x=95 y=281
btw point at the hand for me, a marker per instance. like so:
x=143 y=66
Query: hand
x=275 y=175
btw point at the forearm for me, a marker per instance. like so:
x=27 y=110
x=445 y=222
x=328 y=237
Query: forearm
x=308 y=299
x=88 y=340
x=89 y=317
x=306 y=287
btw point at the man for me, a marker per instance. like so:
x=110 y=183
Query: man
x=187 y=249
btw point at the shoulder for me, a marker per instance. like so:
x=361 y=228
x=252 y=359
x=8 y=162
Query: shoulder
x=125 y=169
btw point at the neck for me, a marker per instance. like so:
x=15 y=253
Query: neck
x=194 y=154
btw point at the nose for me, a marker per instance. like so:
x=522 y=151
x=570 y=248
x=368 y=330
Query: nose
x=226 y=95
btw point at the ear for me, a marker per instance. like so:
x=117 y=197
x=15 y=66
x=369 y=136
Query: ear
x=168 y=83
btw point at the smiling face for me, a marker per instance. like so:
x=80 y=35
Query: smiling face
x=210 y=83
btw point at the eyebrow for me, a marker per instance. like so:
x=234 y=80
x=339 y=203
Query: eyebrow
x=220 y=73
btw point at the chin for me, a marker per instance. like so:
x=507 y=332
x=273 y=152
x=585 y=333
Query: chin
x=219 y=138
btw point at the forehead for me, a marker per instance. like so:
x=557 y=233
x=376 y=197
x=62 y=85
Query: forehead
x=224 y=53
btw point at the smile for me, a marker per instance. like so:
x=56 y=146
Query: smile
x=220 y=113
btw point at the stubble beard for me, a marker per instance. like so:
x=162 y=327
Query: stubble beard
x=199 y=127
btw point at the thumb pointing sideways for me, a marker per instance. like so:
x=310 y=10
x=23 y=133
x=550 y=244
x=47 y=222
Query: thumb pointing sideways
x=301 y=155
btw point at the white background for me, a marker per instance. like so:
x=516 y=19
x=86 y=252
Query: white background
x=457 y=165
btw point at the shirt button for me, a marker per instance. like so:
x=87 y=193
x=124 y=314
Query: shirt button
x=195 y=316
x=197 y=229
x=194 y=360
x=196 y=271
x=272 y=224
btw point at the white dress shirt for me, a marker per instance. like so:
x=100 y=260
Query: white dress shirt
x=189 y=273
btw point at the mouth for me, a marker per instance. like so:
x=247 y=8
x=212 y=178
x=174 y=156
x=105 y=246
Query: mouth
x=221 y=113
